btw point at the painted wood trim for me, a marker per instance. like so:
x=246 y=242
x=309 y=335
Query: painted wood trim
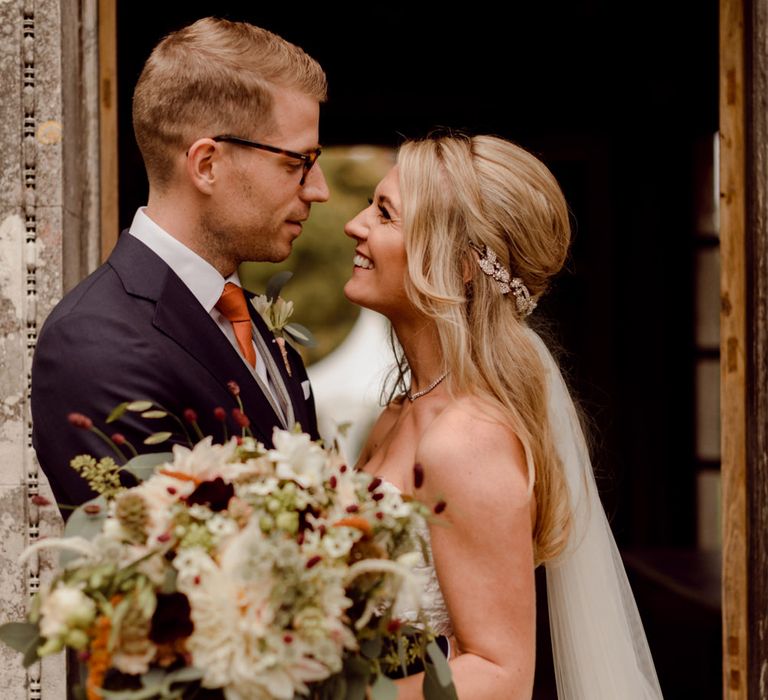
x=733 y=349
x=108 y=125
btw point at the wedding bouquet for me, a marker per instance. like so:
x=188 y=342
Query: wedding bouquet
x=264 y=573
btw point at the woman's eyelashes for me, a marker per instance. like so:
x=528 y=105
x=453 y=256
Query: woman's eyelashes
x=383 y=213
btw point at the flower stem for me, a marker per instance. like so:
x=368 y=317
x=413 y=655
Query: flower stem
x=108 y=440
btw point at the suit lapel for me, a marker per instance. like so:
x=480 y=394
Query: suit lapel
x=180 y=316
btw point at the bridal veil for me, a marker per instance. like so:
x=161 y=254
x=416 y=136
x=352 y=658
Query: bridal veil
x=599 y=647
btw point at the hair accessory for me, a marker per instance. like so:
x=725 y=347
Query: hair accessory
x=491 y=266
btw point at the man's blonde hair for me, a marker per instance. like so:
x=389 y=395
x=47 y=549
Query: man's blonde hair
x=210 y=78
x=459 y=191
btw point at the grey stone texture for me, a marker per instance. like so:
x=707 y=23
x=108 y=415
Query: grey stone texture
x=48 y=241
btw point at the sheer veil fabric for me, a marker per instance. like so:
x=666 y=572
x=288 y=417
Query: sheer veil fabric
x=598 y=642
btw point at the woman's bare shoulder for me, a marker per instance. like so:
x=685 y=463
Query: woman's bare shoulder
x=471 y=443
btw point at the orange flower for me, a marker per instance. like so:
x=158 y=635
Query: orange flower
x=181 y=476
x=99 y=660
x=355 y=521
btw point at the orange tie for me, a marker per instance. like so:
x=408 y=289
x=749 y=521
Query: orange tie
x=233 y=306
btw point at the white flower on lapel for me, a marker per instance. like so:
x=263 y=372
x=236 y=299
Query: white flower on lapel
x=275 y=313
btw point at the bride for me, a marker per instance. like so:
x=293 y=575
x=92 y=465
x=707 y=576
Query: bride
x=459 y=242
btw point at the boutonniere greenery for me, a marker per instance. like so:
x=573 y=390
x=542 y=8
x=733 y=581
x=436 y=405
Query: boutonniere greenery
x=276 y=311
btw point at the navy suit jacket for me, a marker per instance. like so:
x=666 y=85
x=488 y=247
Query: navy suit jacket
x=132 y=330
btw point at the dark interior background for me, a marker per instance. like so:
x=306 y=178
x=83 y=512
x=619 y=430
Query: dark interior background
x=616 y=98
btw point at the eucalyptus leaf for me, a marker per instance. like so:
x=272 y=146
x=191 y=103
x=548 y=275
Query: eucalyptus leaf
x=77 y=692
x=371 y=647
x=357 y=666
x=357 y=672
x=300 y=334
x=339 y=688
x=432 y=688
x=116 y=619
x=169 y=581
x=184 y=675
x=384 y=689
x=157 y=438
x=356 y=687
x=82 y=524
x=19 y=635
x=401 y=653
x=144 y=466
x=154 y=414
x=276 y=284
x=117 y=412
x=148 y=693
x=442 y=668
x=139 y=406
x=30 y=653
x=153 y=677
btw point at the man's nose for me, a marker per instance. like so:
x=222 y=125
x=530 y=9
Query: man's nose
x=315 y=188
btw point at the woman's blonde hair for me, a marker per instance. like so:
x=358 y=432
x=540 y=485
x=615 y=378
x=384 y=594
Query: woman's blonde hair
x=457 y=192
x=214 y=77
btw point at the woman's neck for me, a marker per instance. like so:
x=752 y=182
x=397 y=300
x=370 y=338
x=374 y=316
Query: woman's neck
x=421 y=345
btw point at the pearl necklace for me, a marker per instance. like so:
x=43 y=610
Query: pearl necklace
x=418 y=394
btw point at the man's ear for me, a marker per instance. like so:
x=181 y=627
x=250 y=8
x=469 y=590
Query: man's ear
x=203 y=159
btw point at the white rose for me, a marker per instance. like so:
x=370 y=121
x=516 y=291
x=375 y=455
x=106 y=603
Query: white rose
x=64 y=608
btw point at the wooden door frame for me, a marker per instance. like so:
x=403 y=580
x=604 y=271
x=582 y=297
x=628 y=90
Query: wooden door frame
x=108 y=163
x=744 y=344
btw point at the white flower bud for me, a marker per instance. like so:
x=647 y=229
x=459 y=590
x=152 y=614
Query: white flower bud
x=63 y=609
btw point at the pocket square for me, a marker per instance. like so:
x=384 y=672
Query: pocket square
x=306 y=388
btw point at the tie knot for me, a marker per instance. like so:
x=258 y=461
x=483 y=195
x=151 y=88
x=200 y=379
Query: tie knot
x=232 y=304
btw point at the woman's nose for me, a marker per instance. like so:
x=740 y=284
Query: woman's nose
x=356 y=228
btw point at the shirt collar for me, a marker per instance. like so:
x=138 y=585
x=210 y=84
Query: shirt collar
x=202 y=279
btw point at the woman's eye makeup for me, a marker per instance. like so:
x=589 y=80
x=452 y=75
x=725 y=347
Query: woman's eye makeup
x=383 y=213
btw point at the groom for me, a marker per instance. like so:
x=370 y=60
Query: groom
x=226 y=117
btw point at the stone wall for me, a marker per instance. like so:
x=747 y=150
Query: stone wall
x=48 y=240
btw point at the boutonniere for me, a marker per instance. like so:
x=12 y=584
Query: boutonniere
x=276 y=311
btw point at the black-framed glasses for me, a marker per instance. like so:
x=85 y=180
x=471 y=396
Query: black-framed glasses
x=307 y=159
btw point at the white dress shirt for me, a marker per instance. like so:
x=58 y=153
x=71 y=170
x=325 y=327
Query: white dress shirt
x=202 y=279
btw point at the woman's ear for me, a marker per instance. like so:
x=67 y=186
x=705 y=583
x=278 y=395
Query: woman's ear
x=202 y=159
x=466 y=267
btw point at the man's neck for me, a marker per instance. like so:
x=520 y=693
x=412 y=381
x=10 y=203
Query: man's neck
x=178 y=219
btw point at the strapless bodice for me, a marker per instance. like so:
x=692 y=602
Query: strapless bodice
x=433 y=602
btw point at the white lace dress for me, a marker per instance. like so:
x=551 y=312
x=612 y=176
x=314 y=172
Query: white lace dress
x=433 y=604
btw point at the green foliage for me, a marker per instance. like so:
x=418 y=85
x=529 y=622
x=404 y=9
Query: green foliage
x=117 y=412
x=138 y=406
x=157 y=438
x=143 y=466
x=384 y=689
x=322 y=256
x=154 y=414
x=276 y=284
x=86 y=521
x=19 y=635
x=157 y=685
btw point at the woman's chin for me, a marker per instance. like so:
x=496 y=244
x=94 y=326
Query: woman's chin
x=350 y=292
x=353 y=293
